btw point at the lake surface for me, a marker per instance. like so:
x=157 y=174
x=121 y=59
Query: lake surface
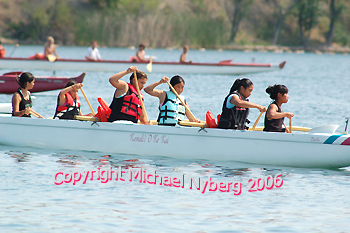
x=308 y=200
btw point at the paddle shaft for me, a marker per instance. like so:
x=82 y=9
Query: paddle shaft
x=290 y=125
x=92 y=110
x=140 y=98
x=13 y=50
x=173 y=90
x=257 y=120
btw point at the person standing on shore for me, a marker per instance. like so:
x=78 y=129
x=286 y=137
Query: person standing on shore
x=92 y=53
x=183 y=56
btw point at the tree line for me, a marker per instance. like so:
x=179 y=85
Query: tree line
x=167 y=23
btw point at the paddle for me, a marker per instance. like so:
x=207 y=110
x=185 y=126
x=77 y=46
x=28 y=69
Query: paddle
x=37 y=115
x=149 y=65
x=290 y=125
x=140 y=98
x=257 y=120
x=92 y=110
x=13 y=50
x=51 y=58
x=173 y=90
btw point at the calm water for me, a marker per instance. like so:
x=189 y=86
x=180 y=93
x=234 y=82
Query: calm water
x=309 y=200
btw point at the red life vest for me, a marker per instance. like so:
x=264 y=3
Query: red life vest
x=69 y=109
x=2 y=51
x=127 y=107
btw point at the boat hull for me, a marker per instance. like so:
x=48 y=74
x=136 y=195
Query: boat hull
x=265 y=148
x=9 y=85
x=157 y=67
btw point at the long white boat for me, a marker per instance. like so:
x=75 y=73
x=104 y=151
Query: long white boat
x=312 y=149
x=223 y=67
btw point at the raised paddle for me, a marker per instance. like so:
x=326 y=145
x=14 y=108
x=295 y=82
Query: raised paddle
x=92 y=110
x=149 y=65
x=140 y=98
x=257 y=120
x=13 y=50
x=173 y=90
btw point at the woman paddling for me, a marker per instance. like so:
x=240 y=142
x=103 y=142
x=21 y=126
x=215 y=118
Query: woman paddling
x=68 y=103
x=274 y=117
x=126 y=104
x=21 y=99
x=236 y=106
x=171 y=110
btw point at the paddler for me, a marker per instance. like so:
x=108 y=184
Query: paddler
x=68 y=102
x=92 y=53
x=126 y=104
x=183 y=56
x=140 y=54
x=171 y=110
x=21 y=99
x=2 y=51
x=274 y=116
x=236 y=106
x=50 y=48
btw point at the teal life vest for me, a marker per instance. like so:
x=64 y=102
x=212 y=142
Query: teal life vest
x=172 y=111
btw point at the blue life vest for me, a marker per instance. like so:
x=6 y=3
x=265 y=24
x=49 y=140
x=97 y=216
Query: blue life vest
x=172 y=111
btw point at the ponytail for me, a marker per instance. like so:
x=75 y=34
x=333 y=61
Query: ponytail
x=25 y=78
x=244 y=82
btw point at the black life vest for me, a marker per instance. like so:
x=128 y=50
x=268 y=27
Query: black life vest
x=127 y=107
x=24 y=103
x=234 y=118
x=70 y=108
x=274 y=125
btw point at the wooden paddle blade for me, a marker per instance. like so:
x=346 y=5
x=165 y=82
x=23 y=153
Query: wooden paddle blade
x=51 y=58
x=149 y=65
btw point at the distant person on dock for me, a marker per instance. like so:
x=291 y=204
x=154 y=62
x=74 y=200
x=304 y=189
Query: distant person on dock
x=274 y=117
x=171 y=110
x=68 y=102
x=21 y=99
x=92 y=53
x=2 y=51
x=140 y=54
x=183 y=56
x=126 y=104
x=236 y=106
x=50 y=48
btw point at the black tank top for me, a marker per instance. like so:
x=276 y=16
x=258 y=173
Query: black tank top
x=24 y=103
x=274 y=125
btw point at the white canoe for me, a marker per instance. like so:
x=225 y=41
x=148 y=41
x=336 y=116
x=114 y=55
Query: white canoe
x=224 y=67
x=319 y=150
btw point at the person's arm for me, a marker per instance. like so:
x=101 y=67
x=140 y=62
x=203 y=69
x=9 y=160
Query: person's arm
x=121 y=86
x=272 y=113
x=183 y=58
x=246 y=104
x=155 y=92
x=189 y=116
x=16 y=99
x=63 y=93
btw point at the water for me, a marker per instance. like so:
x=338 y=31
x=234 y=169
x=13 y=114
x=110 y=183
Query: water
x=309 y=200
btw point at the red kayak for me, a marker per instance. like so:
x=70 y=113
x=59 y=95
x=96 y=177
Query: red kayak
x=9 y=85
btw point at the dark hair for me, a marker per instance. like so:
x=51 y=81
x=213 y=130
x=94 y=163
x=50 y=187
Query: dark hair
x=244 y=82
x=25 y=78
x=142 y=45
x=139 y=75
x=176 y=80
x=70 y=83
x=275 y=89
